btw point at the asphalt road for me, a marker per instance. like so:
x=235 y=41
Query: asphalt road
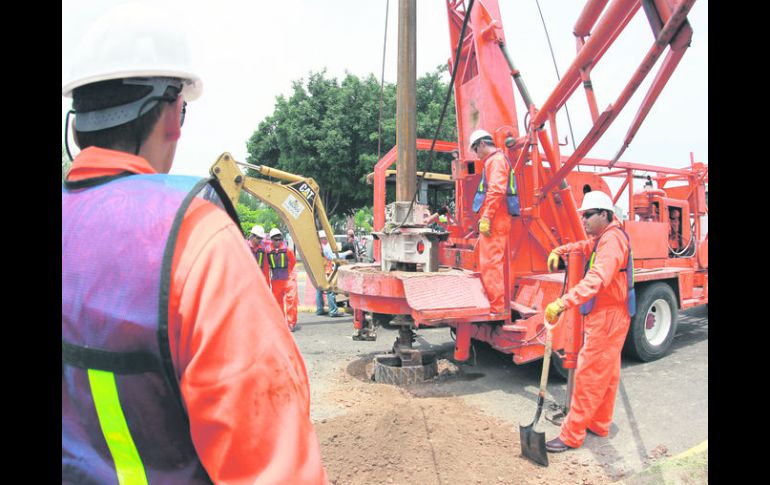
x=661 y=407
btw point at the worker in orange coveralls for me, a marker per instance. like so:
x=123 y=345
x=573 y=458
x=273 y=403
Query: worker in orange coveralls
x=603 y=295
x=292 y=297
x=257 y=245
x=177 y=366
x=495 y=220
x=282 y=260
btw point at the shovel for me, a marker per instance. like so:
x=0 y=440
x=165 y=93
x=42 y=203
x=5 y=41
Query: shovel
x=533 y=442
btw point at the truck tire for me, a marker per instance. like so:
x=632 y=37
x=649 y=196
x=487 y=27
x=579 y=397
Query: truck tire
x=557 y=367
x=653 y=327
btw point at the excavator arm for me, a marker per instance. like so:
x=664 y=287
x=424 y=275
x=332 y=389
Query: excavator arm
x=296 y=201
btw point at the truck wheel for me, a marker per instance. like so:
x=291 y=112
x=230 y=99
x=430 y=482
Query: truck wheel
x=557 y=367
x=654 y=325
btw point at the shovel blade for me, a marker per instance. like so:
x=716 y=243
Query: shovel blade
x=533 y=444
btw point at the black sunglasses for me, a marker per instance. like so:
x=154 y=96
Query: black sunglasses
x=589 y=214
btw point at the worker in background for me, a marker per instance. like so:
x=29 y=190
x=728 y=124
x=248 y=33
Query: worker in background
x=166 y=378
x=257 y=246
x=326 y=250
x=282 y=263
x=606 y=301
x=675 y=229
x=440 y=219
x=495 y=201
x=351 y=247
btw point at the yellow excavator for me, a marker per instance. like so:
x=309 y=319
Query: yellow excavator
x=296 y=200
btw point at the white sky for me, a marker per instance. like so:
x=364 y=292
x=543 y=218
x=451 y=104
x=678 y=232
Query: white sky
x=249 y=52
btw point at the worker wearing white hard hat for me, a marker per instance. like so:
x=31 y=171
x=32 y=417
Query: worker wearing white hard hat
x=606 y=299
x=258 y=231
x=476 y=137
x=596 y=199
x=164 y=298
x=282 y=262
x=329 y=256
x=495 y=202
x=257 y=245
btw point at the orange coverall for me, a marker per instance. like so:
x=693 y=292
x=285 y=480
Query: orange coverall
x=292 y=298
x=492 y=247
x=284 y=290
x=244 y=385
x=598 y=367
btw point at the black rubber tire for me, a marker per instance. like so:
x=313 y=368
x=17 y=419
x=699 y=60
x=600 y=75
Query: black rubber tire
x=659 y=302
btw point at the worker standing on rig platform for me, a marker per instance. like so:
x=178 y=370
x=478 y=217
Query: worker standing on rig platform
x=606 y=300
x=166 y=378
x=282 y=261
x=495 y=201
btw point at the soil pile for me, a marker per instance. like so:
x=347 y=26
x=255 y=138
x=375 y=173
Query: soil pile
x=418 y=435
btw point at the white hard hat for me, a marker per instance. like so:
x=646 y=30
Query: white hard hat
x=133 y=40
x=476 y=136
x=321 y=234
x=275 y=232
x=258 y=231
x=596 y=199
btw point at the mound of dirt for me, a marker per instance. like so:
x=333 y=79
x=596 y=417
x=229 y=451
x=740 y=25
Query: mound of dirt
x=417 y=435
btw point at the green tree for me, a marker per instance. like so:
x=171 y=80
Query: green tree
x=364 y=219
x=328 y=130
x=261 y=214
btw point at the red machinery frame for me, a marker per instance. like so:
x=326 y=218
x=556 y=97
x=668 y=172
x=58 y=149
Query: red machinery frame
x=549 y=186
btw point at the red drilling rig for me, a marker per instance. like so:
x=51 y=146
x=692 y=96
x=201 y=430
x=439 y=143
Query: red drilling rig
x=427 y=278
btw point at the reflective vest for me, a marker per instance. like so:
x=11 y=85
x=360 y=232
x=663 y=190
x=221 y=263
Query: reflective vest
x=260 y=255
x=279 y=263
x=588 y=306
x=511 y=196
x=123 y=420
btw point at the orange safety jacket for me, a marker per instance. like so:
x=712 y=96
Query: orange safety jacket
x=605 y=279
x=586 y=307
x=228 y=388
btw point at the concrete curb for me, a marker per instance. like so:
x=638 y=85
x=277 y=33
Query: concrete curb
x=688 y=467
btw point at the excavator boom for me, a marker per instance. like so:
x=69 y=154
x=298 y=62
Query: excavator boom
x=297 y=202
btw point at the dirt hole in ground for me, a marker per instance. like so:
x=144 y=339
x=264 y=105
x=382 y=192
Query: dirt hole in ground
x=388 y=434
x=363 y=370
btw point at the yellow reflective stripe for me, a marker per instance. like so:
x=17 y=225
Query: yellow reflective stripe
x=591 y=263
x=283 y=260
x=128 y=464
x=272 y=260
x=511 y=183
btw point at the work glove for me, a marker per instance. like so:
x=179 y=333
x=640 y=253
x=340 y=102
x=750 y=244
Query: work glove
x=484 y=226
x=553 y=261
x=553 y=310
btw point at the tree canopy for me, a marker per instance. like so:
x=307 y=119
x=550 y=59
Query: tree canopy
x=328 y=130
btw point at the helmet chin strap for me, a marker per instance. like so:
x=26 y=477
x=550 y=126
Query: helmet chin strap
x=66 y=134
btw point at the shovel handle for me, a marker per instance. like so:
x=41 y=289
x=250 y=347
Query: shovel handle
x=546 y=363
